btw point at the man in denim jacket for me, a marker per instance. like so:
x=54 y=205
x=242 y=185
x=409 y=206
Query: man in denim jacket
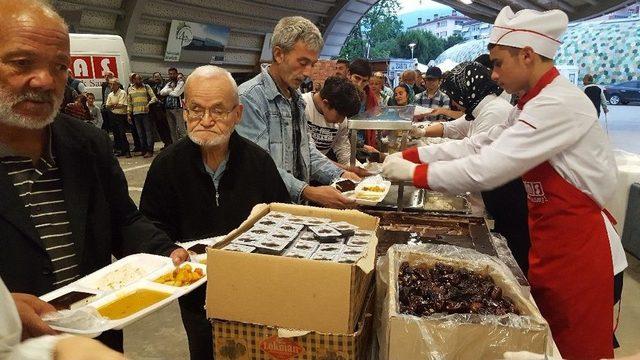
x=274 y=116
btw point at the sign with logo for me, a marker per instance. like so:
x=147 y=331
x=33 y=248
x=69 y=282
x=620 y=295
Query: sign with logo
x=281 y=348
x=194 y=42
x=92 y=67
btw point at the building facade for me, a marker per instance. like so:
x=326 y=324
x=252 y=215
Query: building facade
x=442 y=26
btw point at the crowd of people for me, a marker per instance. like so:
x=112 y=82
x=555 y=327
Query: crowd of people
x=66 y=209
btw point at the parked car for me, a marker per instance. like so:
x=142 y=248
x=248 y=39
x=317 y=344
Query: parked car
x=623 y=93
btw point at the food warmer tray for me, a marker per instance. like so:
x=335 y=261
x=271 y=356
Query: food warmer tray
x=412 y=227
x=416 y=200
x=384 y=118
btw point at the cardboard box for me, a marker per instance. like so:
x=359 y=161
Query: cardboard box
x=459 y=336
x=239 y=341
x=287 y=292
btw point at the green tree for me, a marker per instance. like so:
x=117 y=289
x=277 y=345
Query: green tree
x=453 y=40
x=378 y=28
x=427 y=48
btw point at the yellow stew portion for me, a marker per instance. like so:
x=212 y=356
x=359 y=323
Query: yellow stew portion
x=131 y=303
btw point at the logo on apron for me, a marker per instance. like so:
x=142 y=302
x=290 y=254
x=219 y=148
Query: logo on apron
x=535 y=191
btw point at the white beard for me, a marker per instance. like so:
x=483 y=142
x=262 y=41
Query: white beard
x=8 y=117
x=215 y=141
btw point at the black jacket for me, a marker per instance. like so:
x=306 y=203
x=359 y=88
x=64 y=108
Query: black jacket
x=104 y=220
x=594 y=93
x=179 y=195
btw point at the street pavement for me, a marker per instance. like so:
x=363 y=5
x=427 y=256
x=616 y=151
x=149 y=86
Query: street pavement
x=623 y=125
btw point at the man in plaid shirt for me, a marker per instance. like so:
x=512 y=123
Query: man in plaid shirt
x=435 y=99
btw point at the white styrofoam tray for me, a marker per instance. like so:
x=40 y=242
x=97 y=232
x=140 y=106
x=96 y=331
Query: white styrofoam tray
x=367 y=182
x=154 y=267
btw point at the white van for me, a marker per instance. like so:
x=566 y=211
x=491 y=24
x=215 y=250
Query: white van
x=92 y=55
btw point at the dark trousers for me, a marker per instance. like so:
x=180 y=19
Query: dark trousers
x=118 y=126
x=144 y=127
x=198 y=328
x=137 y=144
x=507 y=205
x=159 y=118
x=617 y=295
x=106 y=120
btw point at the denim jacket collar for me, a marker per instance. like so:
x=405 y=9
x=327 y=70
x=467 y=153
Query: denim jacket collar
x=272 y=91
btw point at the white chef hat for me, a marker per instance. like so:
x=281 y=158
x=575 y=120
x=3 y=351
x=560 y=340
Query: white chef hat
x=539 y=30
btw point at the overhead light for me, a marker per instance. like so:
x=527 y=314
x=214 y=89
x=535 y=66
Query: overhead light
x=466 y=2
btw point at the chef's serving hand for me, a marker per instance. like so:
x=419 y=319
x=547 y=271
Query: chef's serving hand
x=418 y=132
x=397 y=168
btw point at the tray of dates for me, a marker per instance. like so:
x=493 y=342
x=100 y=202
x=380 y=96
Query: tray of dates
x=447 y=302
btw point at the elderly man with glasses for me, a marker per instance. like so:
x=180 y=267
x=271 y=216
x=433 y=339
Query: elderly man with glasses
x=207 y=183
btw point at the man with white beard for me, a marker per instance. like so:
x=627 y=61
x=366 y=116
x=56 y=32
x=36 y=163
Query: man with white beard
x=64 y=203
x=207 y=183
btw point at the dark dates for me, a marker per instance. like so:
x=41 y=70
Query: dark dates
x=443 y=289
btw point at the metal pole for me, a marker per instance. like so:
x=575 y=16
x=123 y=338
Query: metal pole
x=354 y=144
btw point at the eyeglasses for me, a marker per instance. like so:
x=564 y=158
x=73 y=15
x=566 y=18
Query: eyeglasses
x=216 y=114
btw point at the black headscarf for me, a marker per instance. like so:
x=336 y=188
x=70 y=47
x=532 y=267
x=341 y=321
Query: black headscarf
x=468 y=84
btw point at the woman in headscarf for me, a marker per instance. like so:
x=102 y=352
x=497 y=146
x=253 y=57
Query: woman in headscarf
x=470 y=88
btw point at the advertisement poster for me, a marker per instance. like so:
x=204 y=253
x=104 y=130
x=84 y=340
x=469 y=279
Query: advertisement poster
x=196 y=43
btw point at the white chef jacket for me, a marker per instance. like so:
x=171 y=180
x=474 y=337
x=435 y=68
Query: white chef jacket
x=11 y=348
x=325 y=135
x=491 y=111
x=559 y=125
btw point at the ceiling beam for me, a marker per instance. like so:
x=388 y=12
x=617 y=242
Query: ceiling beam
x=557 y=4
x=491 y=3
x=475 y=8
x=92 y=30
x=128 y=25
x=292 y=11
x=231 y=14
x=336 y=15
x=603 y=7
x=102 y=9
x=526 y=4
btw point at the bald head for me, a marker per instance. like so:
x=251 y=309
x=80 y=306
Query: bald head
x=207 y=73
x=31 y=11
x=33 y=33
x=212 y=106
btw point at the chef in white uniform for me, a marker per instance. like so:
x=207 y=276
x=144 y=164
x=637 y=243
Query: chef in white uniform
x=469 y=87
x=554 y=141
